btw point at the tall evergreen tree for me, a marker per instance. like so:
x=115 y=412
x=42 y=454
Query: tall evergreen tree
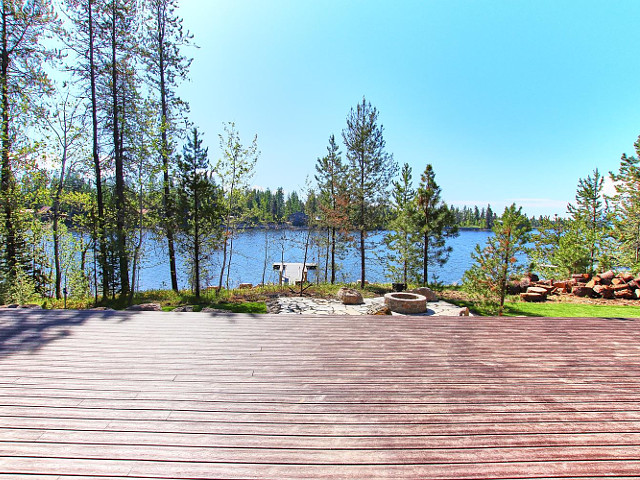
x=435 y=223
x=199 y=204
x=370 y=171
x=166 y=65
x=330 y=177
x=497 y=262
x=591 y=216
x=402 y=239
x=626 y=209
x=120 y=24
x=86 y=41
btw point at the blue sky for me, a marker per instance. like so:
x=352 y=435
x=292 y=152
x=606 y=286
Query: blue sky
x=510 y=101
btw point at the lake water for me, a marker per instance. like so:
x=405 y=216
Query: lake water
x=249 y=259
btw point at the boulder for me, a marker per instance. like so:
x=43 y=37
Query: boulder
x=350 y=296
x=582 y=291
x=532 y=297
x=378 y=309
x=426 y=292
x=145 y=307
x=245 y=285
x=464 y=312
x=184 y=308
x=532 y=277
x=32 y=306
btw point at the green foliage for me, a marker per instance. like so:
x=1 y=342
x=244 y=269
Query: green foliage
x=496 y=263
x=626 y=210
x=370 y=171
x=403 y=237
x=17 y=287
x=435 y=223
x=200 y=207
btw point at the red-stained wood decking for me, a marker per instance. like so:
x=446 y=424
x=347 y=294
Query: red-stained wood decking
x=159 y=395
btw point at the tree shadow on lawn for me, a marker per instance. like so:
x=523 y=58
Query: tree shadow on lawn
x=25 y=330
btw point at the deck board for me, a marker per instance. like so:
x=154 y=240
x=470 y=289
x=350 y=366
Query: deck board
x=161 y=395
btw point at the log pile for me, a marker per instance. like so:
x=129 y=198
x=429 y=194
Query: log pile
x=604 y=285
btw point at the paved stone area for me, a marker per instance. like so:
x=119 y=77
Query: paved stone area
x=317 y=306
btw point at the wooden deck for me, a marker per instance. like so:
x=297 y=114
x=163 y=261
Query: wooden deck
x=158 y=395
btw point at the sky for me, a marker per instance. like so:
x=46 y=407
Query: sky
x=510 y=101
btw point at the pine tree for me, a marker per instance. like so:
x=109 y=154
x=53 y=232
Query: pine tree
x=85 y=18
x=166 y=66
x=435 y=223
x=370 y=172
x=330 y=177
x=626 y=209
x=497 y=262
x=200 y=205
x=403 y=237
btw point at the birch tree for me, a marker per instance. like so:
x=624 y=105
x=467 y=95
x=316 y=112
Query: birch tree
x=235 y=168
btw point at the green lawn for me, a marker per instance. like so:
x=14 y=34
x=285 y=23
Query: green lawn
x=556 y=309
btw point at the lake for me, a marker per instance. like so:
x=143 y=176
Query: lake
x=248 y=259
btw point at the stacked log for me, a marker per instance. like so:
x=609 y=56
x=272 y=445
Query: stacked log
x=607 y=285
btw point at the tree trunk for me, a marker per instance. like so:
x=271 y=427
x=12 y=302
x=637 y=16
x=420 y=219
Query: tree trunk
x=228 y=232
x=6 y=175
x=333 y=255
x=167 y=201
x=196 y=244
x=362 y=266
x=100 y=221
x=120 y=196
x=425 y=268
x=326 y=257
x=266 y=254
x=56 y=216
x=229 y=263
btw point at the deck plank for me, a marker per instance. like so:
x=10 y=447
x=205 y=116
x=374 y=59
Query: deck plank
x=160 y=395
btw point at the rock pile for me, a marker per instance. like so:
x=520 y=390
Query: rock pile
x=604 y=285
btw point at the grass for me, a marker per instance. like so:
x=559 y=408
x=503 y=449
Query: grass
x=563 y=308
x=566 y=309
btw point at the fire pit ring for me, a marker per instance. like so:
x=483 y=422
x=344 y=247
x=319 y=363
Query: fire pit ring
x=404 y=302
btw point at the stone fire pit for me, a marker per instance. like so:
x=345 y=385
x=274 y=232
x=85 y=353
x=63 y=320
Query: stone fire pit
x=404 y=302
